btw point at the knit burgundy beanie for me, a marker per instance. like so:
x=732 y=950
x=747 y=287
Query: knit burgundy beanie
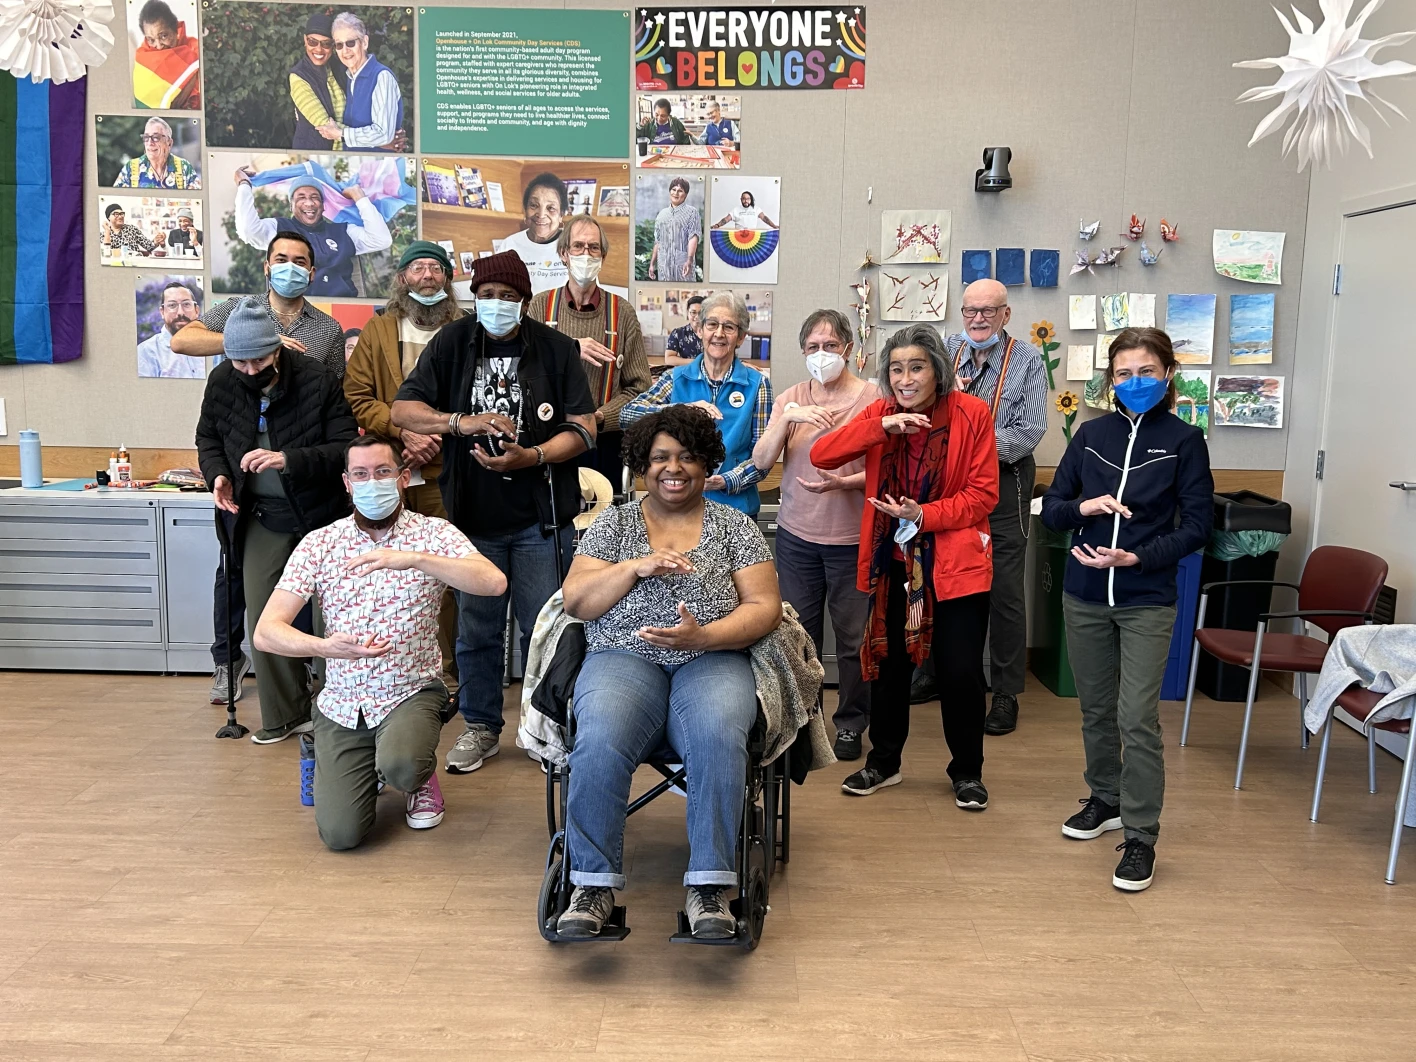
x=508 y=268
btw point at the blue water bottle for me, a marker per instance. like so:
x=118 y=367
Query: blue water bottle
x=31 y=460
x=307 y=770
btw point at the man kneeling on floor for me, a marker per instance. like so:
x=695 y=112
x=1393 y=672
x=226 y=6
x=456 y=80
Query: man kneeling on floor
x=379 y=575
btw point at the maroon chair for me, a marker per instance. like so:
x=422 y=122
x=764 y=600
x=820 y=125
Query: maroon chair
x=1360 y=704
x=1338 y=589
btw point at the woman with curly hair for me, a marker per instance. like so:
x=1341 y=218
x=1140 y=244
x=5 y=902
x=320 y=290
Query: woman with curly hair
x=672 y=589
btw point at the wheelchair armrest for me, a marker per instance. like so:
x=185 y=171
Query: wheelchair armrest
x=1303 y=613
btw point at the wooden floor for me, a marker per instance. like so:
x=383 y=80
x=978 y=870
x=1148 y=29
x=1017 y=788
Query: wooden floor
x=163 y=896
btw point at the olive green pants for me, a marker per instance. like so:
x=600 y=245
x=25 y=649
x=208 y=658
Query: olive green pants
x=282 y=681
x=1118 y=658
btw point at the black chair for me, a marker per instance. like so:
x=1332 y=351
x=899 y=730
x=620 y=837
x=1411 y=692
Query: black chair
x=764 y=839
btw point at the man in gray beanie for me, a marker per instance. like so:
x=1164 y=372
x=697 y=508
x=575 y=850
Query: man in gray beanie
x=270 y=440
x=186 y=238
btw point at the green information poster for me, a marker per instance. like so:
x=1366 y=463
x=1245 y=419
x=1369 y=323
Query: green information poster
x=495 y=81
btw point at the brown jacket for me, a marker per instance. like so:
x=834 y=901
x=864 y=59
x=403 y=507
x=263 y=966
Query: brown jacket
x=372 y=379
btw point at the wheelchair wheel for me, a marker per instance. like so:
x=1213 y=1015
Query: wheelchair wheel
x=551 y=902
x=755 y=907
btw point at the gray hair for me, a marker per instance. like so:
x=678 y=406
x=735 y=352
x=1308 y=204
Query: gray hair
x=563 y=243
x=166 y=129
x=929 y=341
x=349 y=20
x=835 y=318
x=735 y=306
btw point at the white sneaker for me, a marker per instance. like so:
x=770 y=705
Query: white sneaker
x=425 y=805
x=472 y=749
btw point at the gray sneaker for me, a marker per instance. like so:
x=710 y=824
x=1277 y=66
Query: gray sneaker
x=708 y=914
x=589 y=906
x=472 y=749
x=218 y=679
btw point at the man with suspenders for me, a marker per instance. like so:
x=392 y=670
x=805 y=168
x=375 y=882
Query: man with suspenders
x=1008 y=374
x=605 y=328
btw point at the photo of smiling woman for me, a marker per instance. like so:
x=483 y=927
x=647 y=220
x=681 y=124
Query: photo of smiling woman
x=925 y=559
x=317 y=87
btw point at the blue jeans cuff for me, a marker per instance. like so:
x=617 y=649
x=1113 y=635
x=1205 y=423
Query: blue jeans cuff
x=604 y=881
x=709 y=877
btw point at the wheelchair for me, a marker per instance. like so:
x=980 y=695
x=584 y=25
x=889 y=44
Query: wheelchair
x=764 y=839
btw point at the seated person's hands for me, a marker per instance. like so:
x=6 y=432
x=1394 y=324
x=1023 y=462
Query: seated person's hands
x=392 y=560
x=688 y=636
x=342 y=646
x=663 y=562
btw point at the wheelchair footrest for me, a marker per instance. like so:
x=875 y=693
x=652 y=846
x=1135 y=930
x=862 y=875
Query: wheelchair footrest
x=737 y=940
x=614 y=929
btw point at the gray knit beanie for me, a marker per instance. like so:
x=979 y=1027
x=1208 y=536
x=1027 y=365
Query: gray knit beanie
x=249 y=332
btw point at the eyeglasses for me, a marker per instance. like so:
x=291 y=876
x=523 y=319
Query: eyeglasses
x=728 y=328
x=261 y=420
x=363 y=475
x=988 y=313
x=831 y=346
x=185 y=305
x=579 y=247
x=155 y=138
x=425 y=267
x=347 y=46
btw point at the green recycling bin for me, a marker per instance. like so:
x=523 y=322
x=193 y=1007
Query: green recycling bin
x=1048 y=656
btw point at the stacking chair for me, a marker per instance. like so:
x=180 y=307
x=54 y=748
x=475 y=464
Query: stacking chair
x=1360 y=704
x=1339 y=588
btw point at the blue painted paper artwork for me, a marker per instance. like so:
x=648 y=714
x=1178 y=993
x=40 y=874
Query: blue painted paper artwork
x=1012 y=265
x=1042 y=268
x=977 y=265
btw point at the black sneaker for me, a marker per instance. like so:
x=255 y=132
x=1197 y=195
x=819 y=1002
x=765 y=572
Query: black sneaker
x=1136 y=870
x=847 y=745
x=867 y=780
x=1095 y=818
x=922 y=689
x=1003 y=717
x=970 y=795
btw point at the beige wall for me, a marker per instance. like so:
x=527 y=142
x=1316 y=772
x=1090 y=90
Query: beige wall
x=1110 y=106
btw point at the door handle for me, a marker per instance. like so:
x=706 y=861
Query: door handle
x=1402 y=484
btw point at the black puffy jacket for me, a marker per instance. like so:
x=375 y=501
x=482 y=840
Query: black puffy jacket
x=308 y=420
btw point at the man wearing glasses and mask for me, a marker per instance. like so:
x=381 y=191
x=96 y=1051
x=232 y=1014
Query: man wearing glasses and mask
x=604 y=327
x=1007 y=373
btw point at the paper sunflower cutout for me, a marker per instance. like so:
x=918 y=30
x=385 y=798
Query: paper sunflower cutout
x=1068 y=404
x=54 y=40
x=1044 y=335
x=1325 y=68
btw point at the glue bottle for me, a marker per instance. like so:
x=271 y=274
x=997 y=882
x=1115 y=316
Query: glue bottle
x=125 y=466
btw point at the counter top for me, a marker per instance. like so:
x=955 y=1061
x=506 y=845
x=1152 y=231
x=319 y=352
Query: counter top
x=107 y=496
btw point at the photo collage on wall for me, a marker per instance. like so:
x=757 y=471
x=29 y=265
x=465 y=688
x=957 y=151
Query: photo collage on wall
x=362 y=149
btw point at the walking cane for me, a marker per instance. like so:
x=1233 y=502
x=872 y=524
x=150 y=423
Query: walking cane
x=551 y=480
x=232 y=729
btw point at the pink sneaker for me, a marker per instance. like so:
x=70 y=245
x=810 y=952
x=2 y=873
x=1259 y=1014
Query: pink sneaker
x=425 y=806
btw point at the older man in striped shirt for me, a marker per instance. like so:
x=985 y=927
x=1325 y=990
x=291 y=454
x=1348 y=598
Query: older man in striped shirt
x=1007 y=373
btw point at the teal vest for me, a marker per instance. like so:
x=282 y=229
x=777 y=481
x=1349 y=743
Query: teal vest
x=737 y=398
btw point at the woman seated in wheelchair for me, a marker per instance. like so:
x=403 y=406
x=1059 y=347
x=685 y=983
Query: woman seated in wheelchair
x=673 y=589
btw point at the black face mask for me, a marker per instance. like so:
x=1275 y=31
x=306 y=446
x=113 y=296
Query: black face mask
x=260 y=381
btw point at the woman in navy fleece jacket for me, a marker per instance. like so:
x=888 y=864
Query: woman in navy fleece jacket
x=1135 y=489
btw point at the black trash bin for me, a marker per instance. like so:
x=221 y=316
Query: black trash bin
x=1238 y=607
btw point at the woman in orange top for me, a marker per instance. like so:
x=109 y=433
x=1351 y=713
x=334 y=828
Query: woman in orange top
x=926 y=558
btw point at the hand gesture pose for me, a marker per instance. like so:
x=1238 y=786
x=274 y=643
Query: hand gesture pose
x=688 y=636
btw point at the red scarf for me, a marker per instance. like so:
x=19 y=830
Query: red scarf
x=897 y=471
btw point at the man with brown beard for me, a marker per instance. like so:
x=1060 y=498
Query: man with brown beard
x=388 y=348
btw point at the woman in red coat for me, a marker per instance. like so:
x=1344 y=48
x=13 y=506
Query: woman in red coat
x=926 y=555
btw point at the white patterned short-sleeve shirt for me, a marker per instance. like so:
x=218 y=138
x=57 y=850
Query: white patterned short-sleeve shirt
x=397 y=607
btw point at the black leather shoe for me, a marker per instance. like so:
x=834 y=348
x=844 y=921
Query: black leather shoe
x=847 y=745
x=923 y=689
x=1136 y=870
x=1003 y=718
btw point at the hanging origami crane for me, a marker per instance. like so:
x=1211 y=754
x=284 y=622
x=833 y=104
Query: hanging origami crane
x=1136 y=229
x=864 y=328
x=1168 y=232
x=1108 y=257
x=1083 y=263
x=1085 y=231
x=1149 y=257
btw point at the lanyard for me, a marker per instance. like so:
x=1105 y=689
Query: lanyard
x=1002 y=373
x=612 y=336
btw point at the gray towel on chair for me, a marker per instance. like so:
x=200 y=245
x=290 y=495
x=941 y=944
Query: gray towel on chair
x=1378 y=657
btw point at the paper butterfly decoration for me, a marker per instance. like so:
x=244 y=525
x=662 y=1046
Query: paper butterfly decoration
x=1086 y=231
x=1168 y=232
x=1149 y=257
x=1136 y=229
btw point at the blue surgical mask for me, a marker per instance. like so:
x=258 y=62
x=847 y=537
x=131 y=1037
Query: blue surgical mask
x=498 y=316
x=428 y=300
x=1141 y=394
x=289 y=280
x=981 y=344
x=376 y=498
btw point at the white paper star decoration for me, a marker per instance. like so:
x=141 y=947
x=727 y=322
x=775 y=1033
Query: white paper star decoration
x=54 y=40
x=1325 y=69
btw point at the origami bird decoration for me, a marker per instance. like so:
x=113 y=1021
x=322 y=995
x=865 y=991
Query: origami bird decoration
x=1168 y=232
x=1108 y=257
x=864 y=328
x=1085 y=231
x=1136 y=229
x=1083 y=263
x=1149 y=257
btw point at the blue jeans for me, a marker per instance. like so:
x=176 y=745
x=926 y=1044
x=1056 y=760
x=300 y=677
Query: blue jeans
x=529 y=563
x=626 y=706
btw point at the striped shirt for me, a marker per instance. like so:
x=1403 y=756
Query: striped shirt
x=321 y=333
x=660 y=395
x=1022 y=414
x=674 y=229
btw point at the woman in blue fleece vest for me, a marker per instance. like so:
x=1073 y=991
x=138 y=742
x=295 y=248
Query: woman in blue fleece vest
x=1134 y=488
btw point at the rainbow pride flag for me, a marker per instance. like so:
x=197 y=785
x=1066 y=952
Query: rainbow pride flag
x=41 y=220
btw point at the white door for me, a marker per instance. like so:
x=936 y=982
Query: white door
x=1369 y=435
